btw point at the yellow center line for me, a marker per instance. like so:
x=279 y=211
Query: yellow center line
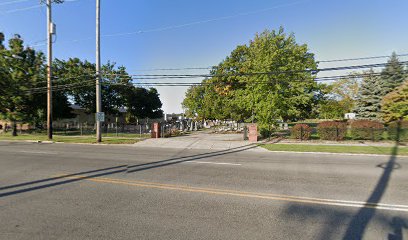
x=286 y=198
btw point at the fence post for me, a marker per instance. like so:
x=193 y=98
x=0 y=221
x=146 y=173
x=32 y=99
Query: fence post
x=337 y=133
x=301 y=133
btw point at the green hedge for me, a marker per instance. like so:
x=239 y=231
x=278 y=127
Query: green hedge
x=366 y=130
x=301 y=131
x=398 y=131
x=332 y=130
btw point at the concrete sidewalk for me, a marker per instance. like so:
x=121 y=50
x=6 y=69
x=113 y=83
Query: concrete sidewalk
x=199 y=140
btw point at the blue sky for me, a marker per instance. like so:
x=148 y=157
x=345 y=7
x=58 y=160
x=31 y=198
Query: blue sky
x=202 y=33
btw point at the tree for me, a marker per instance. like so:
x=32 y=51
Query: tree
x=345 y=91
x=392 y=76
x=368 y=105
x=395 y=104
x=332 y=109
x=237 y=92
x=117 y=89
x=142 y=103
x=194 y=101
x=374 y=88
x=22 y=69
x=80 y=76
x=338 y=98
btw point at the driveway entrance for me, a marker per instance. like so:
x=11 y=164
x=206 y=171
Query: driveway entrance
x=197 y=140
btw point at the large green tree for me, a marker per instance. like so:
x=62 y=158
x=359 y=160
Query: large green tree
x=22 y=69
x=265 y=80
x=118 y=92
x=142 y=103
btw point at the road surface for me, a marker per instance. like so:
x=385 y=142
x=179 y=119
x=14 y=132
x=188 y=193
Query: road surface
x=69 y=191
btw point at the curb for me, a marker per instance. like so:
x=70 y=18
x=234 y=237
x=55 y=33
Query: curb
x=53 y=142
x=341 y=154
x=29 y=141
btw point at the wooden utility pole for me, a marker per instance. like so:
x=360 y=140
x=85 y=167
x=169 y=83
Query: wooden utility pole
x=98 y=73
x=49 y=70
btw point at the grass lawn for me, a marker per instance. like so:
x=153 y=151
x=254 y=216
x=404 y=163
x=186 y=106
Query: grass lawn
x=69 y=139
x=335 y=149
x=90 y=134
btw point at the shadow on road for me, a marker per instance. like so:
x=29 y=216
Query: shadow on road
x=116 y=169
x=167 y=162
x=397 y=224
x=59 y=177
x=356 y=224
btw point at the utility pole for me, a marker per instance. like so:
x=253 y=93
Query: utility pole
x=49 y=71
x=98 y=74
x=50 y=31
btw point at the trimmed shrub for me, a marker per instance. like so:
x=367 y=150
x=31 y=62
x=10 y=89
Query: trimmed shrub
x=366 y=130
x=332 y=130
x=401 y=131
x=301 y=131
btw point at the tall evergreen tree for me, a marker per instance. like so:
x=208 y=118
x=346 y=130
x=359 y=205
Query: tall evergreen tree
x=368 y=103
x=392 y=76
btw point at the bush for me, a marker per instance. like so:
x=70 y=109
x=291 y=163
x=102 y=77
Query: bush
x=266 y=130
x=366 y=130
x=332 y=130
x=401 y=131
x=301 y=131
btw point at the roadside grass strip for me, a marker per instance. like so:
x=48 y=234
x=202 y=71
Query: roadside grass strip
x=69 y=139
x=268 y=196
x=379 y=150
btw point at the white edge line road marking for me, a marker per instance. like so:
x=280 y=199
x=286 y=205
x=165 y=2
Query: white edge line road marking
x=216 y=163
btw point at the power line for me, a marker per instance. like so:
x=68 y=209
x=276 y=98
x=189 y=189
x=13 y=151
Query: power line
x=20 y=9
x=361 y=58
x=83 y=77
x=202 y=21
x=26 y=8
x=171 y=27
x=322 y=61
x=13 y=2
x=313 y=71
x=90 y=82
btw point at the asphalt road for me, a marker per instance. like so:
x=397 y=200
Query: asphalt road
x=63 y=191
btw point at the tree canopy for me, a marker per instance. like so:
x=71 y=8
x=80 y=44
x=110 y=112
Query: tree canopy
x=392 y=76
x=395 y=104
x=23 y=87
x=375 y=87
x=266 y=80
x=21 y=69
x=369 y=98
